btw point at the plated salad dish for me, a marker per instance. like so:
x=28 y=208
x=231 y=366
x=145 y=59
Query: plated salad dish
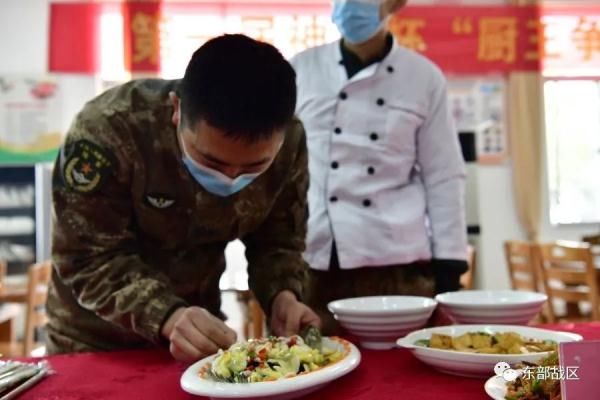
x=270 y=359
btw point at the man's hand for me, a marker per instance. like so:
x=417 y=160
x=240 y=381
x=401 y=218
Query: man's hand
x=195 y=333
x=288 y=315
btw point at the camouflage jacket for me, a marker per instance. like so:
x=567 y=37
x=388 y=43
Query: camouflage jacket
x=135 y=236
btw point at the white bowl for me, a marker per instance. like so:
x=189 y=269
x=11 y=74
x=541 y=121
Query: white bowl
x=378 y=321
x=474 y=364
x=509 y=307
x=283 y=389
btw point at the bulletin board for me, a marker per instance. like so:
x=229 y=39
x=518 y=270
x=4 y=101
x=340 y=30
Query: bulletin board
x=30 y=119
x=479 y=106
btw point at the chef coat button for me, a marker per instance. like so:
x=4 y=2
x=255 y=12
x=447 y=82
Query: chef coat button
x=338 y=130
x=333 y=199
x=380 y=102
x=343 y=96
x=335 y=165
x=341 y=62
x=390 y=69
x=366 y=202
x=374 y=136
x=370 y=170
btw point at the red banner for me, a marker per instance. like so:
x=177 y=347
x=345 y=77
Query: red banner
x=472 y=39
x=466 y=40
x=562 y=41
x=74 y=37
x=142 y=36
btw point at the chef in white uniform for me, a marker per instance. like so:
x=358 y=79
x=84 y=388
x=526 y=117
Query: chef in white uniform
x=386 y=196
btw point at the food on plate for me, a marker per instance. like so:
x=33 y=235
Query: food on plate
x=270 y=359
x=487 y=343
x=531 y=385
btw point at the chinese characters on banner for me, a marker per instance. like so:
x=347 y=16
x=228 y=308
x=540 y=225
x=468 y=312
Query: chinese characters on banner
x=141 y=21
x=182 y=34
x=572 y=43
x=461 y=40
x=472 y=39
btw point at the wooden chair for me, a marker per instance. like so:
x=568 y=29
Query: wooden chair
x=521 y=258
x=568 y=273
x=592 y=239
x=254 y=317
x=467 y=280
x=11 y=292
x=34 y=299
x=3 y=269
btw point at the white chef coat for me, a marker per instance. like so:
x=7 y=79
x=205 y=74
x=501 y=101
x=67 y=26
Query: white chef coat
x=386 y=171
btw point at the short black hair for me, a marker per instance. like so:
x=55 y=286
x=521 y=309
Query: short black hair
x=239 y=85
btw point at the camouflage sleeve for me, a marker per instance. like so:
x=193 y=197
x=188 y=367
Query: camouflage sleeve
x=94 y=242
x=274 y=251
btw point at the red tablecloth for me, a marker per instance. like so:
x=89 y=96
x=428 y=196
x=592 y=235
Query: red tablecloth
x=152 y=374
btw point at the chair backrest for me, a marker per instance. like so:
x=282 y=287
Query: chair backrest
x=3 y=269
x=521 y=258
x=253 y=315
x=568 y=272
x=37 y=292
x=467 y=280
x=592 y=239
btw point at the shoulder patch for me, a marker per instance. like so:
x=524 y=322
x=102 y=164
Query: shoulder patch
x=86 y=166
x=159 y=201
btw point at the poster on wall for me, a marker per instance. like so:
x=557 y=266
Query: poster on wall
x=30 y=119
x=478 y=105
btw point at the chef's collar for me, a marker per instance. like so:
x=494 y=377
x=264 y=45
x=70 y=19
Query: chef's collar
x=354 y=64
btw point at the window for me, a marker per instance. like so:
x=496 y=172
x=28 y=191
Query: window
x=572 y=108
x=573 y=150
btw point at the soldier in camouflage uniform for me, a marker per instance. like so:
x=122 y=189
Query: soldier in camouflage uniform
x=153 y=181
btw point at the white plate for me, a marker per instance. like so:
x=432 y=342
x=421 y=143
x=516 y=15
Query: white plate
x=289 y=388
x=473 y=364
x=496 y=388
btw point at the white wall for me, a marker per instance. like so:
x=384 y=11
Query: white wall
x=24 y=27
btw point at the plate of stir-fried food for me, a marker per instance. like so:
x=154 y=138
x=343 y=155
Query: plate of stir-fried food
x=474 y=350
x=282 y=367
x=528 y=385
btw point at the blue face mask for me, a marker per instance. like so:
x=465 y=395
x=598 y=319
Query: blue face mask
x=357 y=21
x=215 y=181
